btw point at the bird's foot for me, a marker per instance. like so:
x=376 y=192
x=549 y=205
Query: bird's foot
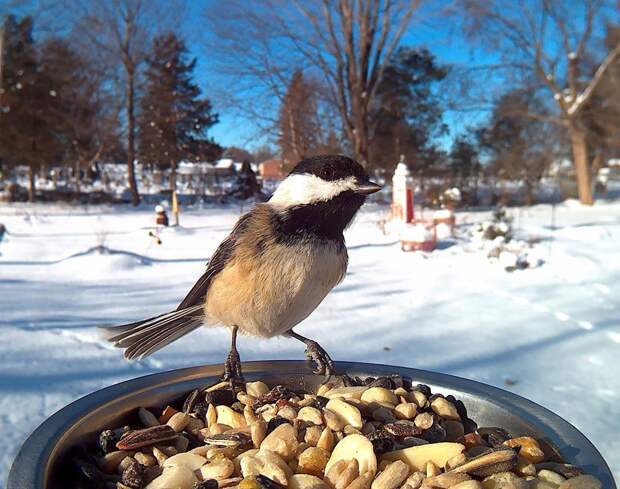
x=232 y=370
x=315 y=353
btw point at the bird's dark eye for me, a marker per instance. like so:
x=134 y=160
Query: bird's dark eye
x=327 y=173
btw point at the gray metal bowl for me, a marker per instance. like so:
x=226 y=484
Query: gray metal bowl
x=39 y=463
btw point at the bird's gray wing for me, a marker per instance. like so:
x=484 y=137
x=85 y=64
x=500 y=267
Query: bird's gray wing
x=216 y=264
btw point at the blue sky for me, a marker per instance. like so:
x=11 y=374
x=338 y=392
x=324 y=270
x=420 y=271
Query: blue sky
x=440 y=36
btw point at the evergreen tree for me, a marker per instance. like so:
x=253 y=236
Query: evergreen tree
x=464 y=160
x=87 y=126
x=298 y=126
x=246 y=185
x=29 y=103
x=174 y=120
x=408 y=111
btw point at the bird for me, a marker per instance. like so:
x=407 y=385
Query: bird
x=277 y=265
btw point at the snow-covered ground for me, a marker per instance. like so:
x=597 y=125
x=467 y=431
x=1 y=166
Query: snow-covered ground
x=551 y=333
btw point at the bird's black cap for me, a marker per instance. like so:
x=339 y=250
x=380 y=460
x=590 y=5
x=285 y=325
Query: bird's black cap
x=331 y=167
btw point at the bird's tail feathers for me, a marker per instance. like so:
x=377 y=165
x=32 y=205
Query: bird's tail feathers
x=141 y=338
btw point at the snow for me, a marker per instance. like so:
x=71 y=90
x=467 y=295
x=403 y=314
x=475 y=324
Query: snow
x=551 y=332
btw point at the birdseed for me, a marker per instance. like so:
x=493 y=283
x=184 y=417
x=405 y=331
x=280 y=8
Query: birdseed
x=376 y=433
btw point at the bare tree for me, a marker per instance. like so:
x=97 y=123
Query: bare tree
x=554 y=43
x=120 y=31
x=345 y=43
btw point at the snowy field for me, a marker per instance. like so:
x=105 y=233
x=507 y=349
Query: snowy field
x=551 y=333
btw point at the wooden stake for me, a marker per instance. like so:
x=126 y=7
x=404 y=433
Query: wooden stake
x=175 y=207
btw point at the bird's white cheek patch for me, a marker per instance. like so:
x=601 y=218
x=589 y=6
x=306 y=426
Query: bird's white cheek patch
x=307 y=189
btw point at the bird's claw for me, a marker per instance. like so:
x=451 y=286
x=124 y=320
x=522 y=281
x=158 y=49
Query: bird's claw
x=315 y=353
x=232 y=369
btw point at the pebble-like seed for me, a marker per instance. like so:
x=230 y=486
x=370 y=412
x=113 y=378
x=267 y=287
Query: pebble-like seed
x=181 y=443
x=166 y=414
x=159 y=455
x=503 y=480
x=444 y=408
x=194 y=425
x=313 y=461
x=424 y=421
x=529 y=448
x=211 y=416
x=222 y=469
x=524 y=467
x=407 y=410
x=126 y=462
x=310 y=414
x=287 y=412
x=333 y=472
x=256 y=389
x=380 y=395
x=326 y=440
x=419 y=398
x=455 y=431
x=178 y=421
x=258 y=431
x=349 y=430
x=362 y=482
x=332 y=421
x=346 y=412
x=415 y=480
x=147 y=418
x=551 y=477
x=145 y=459
x=218 y=429
x=348 y=475
x=383 y=414
x=110 y=461
x=248 y=414
x=392 y=477
x=245 y=399
x=282 y=441
x=368 y=428
x=446 y=480
x=313 y=435
x=431 y=469
x=456 y=461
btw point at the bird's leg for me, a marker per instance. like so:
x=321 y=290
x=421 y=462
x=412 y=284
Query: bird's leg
x=315 y=353
x=232 y=366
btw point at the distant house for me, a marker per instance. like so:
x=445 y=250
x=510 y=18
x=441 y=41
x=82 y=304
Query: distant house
x=271 y=170
x=225 y=167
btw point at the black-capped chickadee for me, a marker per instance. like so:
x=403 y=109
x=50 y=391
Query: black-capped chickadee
x=279 y=262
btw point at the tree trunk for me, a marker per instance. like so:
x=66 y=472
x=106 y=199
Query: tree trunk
x=32 y=192
x=1 y=57
x=131 y=152
x=580 y=161
x=173 y=176
x=360 y=143
x=76 y=175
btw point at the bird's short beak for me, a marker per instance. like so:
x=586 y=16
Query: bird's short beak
x=367 y=188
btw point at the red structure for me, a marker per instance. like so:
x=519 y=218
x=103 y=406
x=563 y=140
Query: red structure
x=402 y=193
